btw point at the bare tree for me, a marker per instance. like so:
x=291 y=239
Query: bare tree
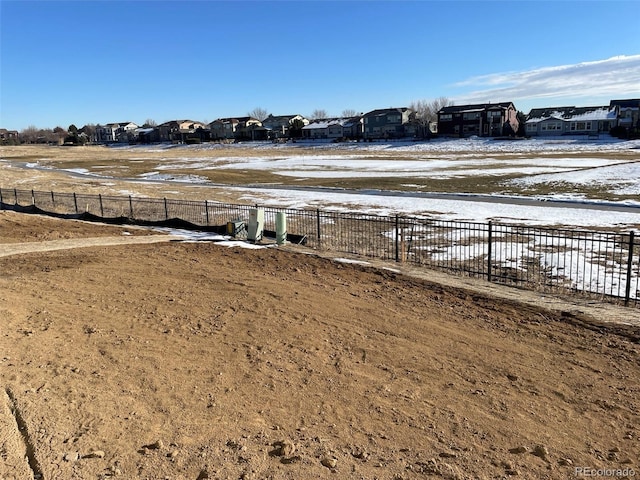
x=30 y=134
x=259 y=113
x=349 y=112
x=318 y=114
x=149 y=123
x=427 y=110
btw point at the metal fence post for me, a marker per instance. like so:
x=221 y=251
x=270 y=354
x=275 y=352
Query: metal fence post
x=489 y=253
x=1 y=200
x=627 y=291
x=397 y=246
x=318 y=225
x=130 y=208
x=206 y=209
x=75 y=202
x=166 y=211
x=101 y=209
x=33 y=198
x=53 y=200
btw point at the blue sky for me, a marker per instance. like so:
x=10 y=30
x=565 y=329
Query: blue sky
x=109 y=61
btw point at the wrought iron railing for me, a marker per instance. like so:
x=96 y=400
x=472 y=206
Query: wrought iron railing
x=604 y=264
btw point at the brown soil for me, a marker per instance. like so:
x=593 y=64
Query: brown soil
x=192 y=360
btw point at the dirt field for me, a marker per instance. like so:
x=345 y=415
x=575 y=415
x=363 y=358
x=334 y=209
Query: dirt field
x=193 y=360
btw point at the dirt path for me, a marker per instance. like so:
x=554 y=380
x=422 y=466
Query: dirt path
x=193 y=360
x=68 y=244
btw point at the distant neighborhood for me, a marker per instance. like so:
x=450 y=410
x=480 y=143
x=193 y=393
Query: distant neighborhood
x=497 y=120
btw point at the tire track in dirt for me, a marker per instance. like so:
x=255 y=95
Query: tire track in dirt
x=23 y=433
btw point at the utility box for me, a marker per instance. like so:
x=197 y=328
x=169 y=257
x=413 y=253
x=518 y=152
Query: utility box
x=255 y=228
x=281 y=228
x=235 y=227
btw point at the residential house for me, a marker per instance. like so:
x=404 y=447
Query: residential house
x=333 y=128
x=283 y=126
x=570 y=121
x=115 y=132
x=628 y=113
x=240 y=128
x=353 y=128
x=483 y=120
x=8 y=136
x=147 y=135
x=388 y=123
x=181 y=131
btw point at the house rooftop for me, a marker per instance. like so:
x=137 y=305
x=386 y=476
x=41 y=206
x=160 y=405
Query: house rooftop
x=322 y=123
x=478 y=107
x=383 y=111
x=627 y=103
x=572 y=113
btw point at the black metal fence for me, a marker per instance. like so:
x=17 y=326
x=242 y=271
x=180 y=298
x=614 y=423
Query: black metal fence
x=595 y=263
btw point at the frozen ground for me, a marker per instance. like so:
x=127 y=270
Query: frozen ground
x=553 y=161
x=562 y=163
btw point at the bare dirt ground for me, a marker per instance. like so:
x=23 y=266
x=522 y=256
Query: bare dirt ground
x=192 y=360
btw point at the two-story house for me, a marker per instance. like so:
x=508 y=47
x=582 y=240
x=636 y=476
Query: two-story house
x=570 y=121
x=628 y=113
x=8 y=136
x=116 y=132
x=281 y=126
x=237 y=128
x=387 y=123
x=482 y=120
x=178 y=131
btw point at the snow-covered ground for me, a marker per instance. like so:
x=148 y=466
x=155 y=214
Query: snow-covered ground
x=565 y=161
x=534 y=161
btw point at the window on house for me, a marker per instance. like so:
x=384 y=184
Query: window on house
x=446 y=117
x=471 y=116
x=581 y=126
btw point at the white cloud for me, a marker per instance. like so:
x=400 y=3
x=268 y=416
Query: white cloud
x=615 y=77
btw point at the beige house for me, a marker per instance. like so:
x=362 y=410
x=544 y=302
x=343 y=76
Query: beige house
x=240 y=128
x=179 y=131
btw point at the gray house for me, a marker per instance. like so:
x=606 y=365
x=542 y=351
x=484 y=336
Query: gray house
x=570 y=121
x=333 y=128
x=388 y=123
x=281 y=126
